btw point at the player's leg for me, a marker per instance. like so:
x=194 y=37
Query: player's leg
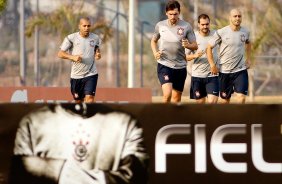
x=225 y=101
x=176 y=96
x=225 y=87
x=201 y=101
x=90 y=88
x=212 y=88
x=240 y=98
x=212 y=99
x=165 y=78
x=77 y=90
x=89 y=99
x=197 y=90
x=241 y=84
x=167 y=92
x=179 y=77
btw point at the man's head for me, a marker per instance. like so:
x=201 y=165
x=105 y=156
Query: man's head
x=172 y=10
x=235 y=17
x=84 y=26
x=204 y=24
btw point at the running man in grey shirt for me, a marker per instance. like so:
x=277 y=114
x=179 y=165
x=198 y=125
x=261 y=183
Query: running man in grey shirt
x=174 y=35
x=203 y=82
x=233 y=41
x=82 y=49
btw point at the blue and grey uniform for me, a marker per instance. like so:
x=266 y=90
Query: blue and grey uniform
x=202 y=81
x=232 y=62
x=172 y=64
x=84 y=74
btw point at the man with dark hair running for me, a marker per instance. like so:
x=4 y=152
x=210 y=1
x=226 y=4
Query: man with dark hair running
x=174 y=35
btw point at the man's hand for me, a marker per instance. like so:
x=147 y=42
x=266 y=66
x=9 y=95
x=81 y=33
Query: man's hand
x=158 y=55
x=248 y=64
x=214 y=70
x=76 y=58
x=185 y=43
x=97 y=56
x=199 y=54
x=194 y=56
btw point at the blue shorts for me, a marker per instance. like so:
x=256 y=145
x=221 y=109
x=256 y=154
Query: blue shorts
x=175 y=76
x=233 y=82
x=201 y=87
x=84 y=86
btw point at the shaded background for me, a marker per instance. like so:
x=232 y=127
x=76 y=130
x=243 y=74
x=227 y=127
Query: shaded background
x=57 y=18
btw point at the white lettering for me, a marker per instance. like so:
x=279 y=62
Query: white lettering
x=162 y=149
x=200 y=149
x=257 y=153
x=218 y=148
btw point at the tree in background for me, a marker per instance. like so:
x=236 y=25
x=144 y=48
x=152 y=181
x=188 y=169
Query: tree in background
x=64 y=21
x=61 y=22
x=2 y=5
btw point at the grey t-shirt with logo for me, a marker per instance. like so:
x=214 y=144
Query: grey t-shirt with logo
x=231 y=48
x=170 y=42
x=78 y=45
x=201 y=66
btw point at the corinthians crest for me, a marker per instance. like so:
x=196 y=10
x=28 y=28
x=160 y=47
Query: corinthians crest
x=80 y=151
x=92 y=43
x=80 y=142
x=243 y=38
x=180 y=31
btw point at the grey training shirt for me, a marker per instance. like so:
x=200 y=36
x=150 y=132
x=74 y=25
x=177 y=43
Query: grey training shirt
x=170 y=42
x=231 y=48
x=77 y=45
x=201 y=66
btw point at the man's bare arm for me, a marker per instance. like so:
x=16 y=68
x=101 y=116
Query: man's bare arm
x=64 y=55
x=191 y=46
x=214 y=69
x=248 y=54
x=154 y=46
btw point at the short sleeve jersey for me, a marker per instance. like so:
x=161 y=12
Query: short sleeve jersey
x=170 y=42
x=97 y=142
x=78 y=45
x=231 y=48
x=201 y=66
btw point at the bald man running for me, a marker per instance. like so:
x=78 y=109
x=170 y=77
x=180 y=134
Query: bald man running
x=82 y=49
x=234 y=58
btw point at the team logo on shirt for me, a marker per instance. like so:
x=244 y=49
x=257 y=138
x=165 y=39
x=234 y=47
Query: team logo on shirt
x=80 y=152
x=80 y=143
x=92 y=43
x=243 y=38
x=180 y=31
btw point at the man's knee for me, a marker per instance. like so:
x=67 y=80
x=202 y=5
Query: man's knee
x=166 y=97
x=176 y=96
x=89 y=99
x=241 y=98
